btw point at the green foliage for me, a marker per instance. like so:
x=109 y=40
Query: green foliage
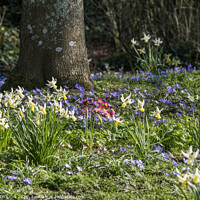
x=9 y=48
x=40 y=142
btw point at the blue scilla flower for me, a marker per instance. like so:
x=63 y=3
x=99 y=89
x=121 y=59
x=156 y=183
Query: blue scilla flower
x=127 y=163
x=26 y=180
x=122 y=149
x=175 y=163
x=158 y=148
x=11 y=178
x=166 y=174
x=165 y=156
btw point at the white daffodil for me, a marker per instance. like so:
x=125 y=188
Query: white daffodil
x=71 y=113
x=30 y=103
x=134 y=42
x=183 y=179
x=196 y=176
x=52 y=84
x=141 y=51
x=140 y=105
x=4 y=123
x=190 y=155
x=126 y=101
x=191 y=98
x=157 y=113
x=146 y=38
x=20 y=92
x=42 y=109
x=117 y=120
x=61 y=93
x=22 y=111
x=157 y=42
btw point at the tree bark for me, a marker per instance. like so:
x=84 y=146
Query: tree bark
x=52 y=42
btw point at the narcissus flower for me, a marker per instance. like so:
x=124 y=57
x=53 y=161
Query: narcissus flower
x=157 y=113
x=52 y=84
x=196 y=177
x=126 y=101
x=140 y=105
x=190 y=155
x=157 y=42
x=146 y=38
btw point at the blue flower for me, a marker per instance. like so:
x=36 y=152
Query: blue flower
x=122 y=149
x=166 y=174
x=184 y=168
x=175 y=173
x=26 y=180
x=12 y=178
x=165 y=156
x=140 y=164
x=127 y=162
x=159 y=148
x=175 y=163
x=129 y=146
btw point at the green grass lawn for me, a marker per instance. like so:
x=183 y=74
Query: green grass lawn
x=123 y=140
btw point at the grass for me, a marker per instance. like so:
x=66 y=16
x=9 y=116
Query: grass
x=90 y=156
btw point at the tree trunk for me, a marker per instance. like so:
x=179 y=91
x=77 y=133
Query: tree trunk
x=52 y=42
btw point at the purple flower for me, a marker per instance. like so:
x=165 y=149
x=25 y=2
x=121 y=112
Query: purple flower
x=12 y=178
x=178 y=86
x=70 y=126
x=122 y=149
x=175 y=163
x=26 y=180
x=15 y=173
x=79 y=169
x=82 y=95
x=133 y=162
x=169 y=89
x=166 y=174
x=69 y=172
x=165 y=156
x=184 y=168
x=159 y=148
x=67 y=166
x=129 y=146
x=179 y=114
x=140 y=164
x=175 y=173
x=127 y=162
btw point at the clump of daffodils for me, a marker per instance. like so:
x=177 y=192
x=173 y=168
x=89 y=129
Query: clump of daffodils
x=189 y=178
